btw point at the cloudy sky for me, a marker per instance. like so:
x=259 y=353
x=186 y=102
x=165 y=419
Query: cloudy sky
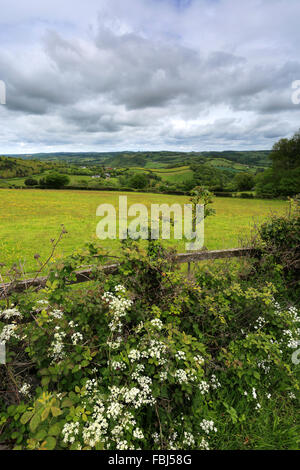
x=148 y=74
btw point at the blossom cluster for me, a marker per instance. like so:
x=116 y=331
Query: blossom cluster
x=9 y=313
x=9 y=331
x=118 y=307
x=57 y=347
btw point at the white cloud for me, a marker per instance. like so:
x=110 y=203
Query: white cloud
x=152 y=74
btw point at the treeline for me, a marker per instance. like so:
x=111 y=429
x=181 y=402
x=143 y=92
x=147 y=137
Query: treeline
x=18 y=168
x=169 y=159
x=283 y=178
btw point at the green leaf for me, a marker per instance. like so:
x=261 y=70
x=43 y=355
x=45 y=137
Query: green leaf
x=45 y=413
x=35 y=421
x=40 y=435
x=26 y=417
x=50 y=443
x=66 y=403
x=99 y=446
x=45 y=381
x=55 y=411
x=54 y=430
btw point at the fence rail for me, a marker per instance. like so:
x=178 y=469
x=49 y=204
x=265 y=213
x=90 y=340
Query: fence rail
x=85 y=275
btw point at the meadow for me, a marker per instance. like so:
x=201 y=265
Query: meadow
x=29 y=219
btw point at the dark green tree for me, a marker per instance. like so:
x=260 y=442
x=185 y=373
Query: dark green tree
x=55 y=181
x=244 y=181
x=138 y=181
x=283 y=179
x=31 y=182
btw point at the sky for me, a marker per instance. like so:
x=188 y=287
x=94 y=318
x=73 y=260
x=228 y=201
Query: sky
x=184 y=75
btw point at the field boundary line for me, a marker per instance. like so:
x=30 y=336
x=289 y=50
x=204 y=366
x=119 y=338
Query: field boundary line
x=85 y=275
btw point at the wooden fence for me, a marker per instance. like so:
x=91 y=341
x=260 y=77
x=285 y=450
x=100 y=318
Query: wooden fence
x=85 y=275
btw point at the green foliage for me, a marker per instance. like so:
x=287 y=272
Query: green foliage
x=244 y=181
x=138 y=181
x=151 y=359
x=17 y=167
x=279 y=240
x=201 y=195
x=31 y=182
x=286 y=153
x=55 y=181
x=211 y=177
x=283 y=179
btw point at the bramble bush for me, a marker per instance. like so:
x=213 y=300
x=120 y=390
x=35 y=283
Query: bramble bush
x=150 y=358
x=278 y=243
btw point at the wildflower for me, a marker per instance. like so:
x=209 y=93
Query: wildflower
x=214 y=382
x=180 y=355
x=203 y=387
x=69 y=431
x=42 y=302
x=181 y=375
x=56 y=314
x=199 y=360
x=76 y=337
x=138 y=434
x=163 y=376
x=56 y=348
x=157 y=323
x=25 y=390
x=208 y=426
x=9 y=331
x=10 y=313
x=134 y=355
x=117 y=365
x=204 y=444
x=115 y=344
x=188 y=439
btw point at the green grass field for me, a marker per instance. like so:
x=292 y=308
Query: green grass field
x=29 y=219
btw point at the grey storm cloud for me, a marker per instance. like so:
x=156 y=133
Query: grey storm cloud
x=198 y=75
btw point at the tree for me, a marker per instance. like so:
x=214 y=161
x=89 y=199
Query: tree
x=244 y=181
x=138 y=181
x=283 y=179
x=55 y=181
x=31 y=182
x=285 y=154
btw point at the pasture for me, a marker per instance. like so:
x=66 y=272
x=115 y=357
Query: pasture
x=29 y=219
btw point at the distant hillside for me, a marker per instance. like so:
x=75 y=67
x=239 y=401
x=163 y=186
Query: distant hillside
x=258 y=158
x=18 y=168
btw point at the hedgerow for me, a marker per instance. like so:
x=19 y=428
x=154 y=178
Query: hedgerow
x=149 y=358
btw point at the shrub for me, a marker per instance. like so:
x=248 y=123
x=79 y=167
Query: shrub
x=223 y=194
x=138 y=181
x=146 y=359
x=246 y=196
x=31 y=182
x=54 y=181
x=279 y=240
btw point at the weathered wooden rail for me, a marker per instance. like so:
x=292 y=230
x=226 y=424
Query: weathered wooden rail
x=85 y=275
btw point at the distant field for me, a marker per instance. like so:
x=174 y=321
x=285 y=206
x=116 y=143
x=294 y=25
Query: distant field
x=79 y=180
x=30 y=218
x=177 y=175
x=168 y=175
x=223 y=164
